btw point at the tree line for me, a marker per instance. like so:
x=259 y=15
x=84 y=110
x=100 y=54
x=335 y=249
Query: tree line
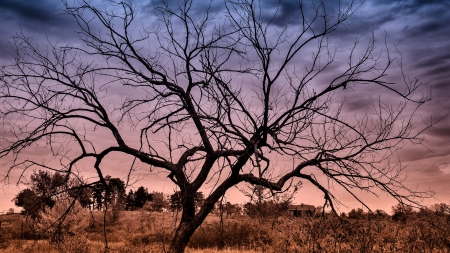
x=44 y=189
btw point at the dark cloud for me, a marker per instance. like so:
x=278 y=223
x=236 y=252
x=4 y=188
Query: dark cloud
x=436 y=7
x=280 y=13
x=428 y=28
x=436 y=58
x=442 y=132
x=41 y=20
x=406 y=7
x=38 y=11
x=385 y=15
x=198 y=8
x=358 y=103
x=442 y=84
x=421 y=32
x=38 y=16
x=442 y=70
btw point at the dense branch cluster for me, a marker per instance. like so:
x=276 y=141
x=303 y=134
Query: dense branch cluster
x=214 y=98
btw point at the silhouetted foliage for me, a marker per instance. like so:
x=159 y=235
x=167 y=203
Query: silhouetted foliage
x=356 y=214
x=264 y=204
x=43 y=191
x=111 y=194
x=130 y=202
x=266 y=208
x=440 y=208
x=141 y=196
x=231 y=209
x=136 y=200
x=401 y=212
x=176 y=200
x=158 y=202
x=29 y=201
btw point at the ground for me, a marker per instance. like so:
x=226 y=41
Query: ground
x=142 y=231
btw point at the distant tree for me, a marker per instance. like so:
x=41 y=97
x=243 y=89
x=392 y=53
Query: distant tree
x=231 y=209
x=440 y=208
x=266 y=208
x=141 y=196
x=380 y=214
x=250 y=209
x=176 y=200
x=115 y=198
x=401 y=212
x=115 y=193
x=159 y=202
x=356 y=214
x=44 y=189
x=112 y=193
x=130 y=204
x=82 y=192
x=47 y=184
x=97 y=196
x=264 y=204
x=199 y=199
x=29 y=201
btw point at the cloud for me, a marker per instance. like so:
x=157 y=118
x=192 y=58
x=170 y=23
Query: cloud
x=37 y=16
x=42 y=20
x=197 y=9
x=40 y=11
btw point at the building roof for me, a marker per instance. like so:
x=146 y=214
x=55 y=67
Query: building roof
x=301 y=207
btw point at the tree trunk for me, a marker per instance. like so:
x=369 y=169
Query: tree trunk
x=190 y=220
x=188 y=223
x=182 y=236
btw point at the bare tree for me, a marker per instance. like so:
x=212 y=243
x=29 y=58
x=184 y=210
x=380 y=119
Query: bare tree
x=218 y=96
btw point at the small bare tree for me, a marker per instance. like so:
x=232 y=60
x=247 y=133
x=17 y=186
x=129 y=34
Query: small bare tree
x=216 y=95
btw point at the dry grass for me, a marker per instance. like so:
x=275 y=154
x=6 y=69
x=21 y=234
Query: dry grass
x=151 y=232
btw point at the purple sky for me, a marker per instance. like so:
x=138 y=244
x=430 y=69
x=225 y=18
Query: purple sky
x=419 y=29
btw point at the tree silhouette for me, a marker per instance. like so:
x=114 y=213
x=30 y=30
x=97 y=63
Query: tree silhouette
x=44 y=188
x=111 y=194
x=176 y=200
x=217 y=96
x=141 y=196
x=130 y=201
x=29 y=201
x=158 y=202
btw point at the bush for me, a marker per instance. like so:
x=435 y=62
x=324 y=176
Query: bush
x=5 y=237
x=63 y=219
x=74 y=244
x=234 y=234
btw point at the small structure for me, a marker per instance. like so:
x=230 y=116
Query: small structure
x=301 y=210
x=8 y=220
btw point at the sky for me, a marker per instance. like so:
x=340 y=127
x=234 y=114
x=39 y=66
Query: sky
x=418 y=28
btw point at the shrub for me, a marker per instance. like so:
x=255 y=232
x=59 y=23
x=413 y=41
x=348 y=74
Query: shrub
x=74 y=244
x=64 y=218
x=233 y=234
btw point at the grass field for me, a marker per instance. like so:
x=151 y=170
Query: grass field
x=142 y=231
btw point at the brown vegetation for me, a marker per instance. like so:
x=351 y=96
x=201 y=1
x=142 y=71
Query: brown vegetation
x=426 y=230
